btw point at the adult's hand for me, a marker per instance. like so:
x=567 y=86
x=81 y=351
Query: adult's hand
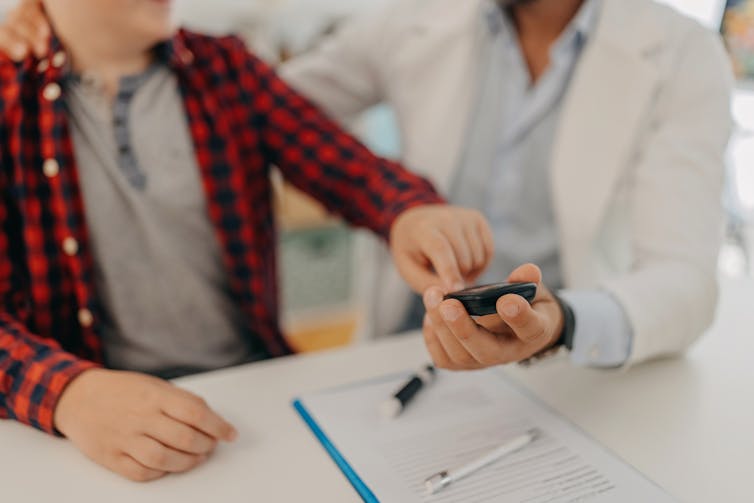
x=24 y=31
x=138 y=426
x=440 y=245
x=456 y=341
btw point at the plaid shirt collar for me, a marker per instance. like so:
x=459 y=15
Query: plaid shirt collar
x=54 y=65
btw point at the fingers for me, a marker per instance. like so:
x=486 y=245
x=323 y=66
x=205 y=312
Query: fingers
x=194 y=411
x=39 y=28
x=459 y=357
x=487 y=348
x=11 y=45
x=442 y=255
x=494 y=324
x=180 y=436
x=26 y=29
x=436 y=351
x=440 y=243
x=471 y=239
x=527 y=273
x=133 y=470
x=159 y=457
x=457 y=341
x=528 y=325
x=483 y=241
x=488 y=241
x=463 y=246
x=24 y=33
x=417 y=272
x=478 y=254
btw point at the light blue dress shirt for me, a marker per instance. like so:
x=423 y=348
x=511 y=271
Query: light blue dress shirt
x=510 y=184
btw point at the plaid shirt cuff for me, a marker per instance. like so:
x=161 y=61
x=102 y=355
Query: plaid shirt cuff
x=403 y=204
x=46 y=380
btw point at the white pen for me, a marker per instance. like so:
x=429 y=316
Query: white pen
x=443 y=479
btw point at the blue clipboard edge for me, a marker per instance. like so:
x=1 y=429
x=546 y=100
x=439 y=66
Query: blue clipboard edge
x=366 y=494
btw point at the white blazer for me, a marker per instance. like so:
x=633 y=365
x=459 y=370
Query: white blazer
x=637 y=165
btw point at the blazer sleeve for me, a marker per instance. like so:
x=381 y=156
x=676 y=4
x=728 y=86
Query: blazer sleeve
x=34 y=370
x=676 y=217
x=321 y=159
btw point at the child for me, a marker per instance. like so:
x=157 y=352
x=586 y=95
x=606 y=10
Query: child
x=136 y=230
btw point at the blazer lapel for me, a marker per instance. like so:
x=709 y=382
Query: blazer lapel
x=602 y=119
x=443 y=57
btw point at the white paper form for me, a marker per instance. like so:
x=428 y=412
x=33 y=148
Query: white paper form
x=457 y=419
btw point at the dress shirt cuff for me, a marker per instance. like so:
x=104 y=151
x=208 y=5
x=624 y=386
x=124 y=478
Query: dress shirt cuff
x=603 y=333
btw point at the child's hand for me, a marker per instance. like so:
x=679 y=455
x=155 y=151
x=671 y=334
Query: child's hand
x=24 y=31
x=138 y=426
x=438 y=245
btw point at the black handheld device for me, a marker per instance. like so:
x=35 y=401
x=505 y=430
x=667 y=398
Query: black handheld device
x=481 y=300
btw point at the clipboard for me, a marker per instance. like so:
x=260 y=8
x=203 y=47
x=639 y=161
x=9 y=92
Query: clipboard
x=452 y=422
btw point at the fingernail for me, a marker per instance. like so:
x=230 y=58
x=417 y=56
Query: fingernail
x=458 y=286
x=233 y=435
x=432 y=298
x=450 y=312
x=510 y=309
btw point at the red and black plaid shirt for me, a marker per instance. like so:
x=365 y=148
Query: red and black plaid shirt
x=243 y=119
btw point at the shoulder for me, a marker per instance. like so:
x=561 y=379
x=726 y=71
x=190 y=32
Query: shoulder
x=639 y=22
x=209 y=47
x=423 y=11
x=226 y=57
x=390 y=19
x=649 y=18
x=671 y=41
x=693 y=52
x=679 y=28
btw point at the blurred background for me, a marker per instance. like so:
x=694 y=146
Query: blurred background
x=324 y=265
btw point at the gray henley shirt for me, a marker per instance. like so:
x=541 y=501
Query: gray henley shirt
x=158 y=264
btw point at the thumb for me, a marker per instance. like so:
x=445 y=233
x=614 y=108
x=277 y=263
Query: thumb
x=527 y=273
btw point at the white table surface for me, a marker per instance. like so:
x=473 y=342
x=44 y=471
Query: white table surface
x=687 y=424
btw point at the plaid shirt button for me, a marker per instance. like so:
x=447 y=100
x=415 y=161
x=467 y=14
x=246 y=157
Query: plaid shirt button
x=51 y=92
x=86 y=319
x=58 y=60
x=43 y=65
x=70 y=246
x=51 y=168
